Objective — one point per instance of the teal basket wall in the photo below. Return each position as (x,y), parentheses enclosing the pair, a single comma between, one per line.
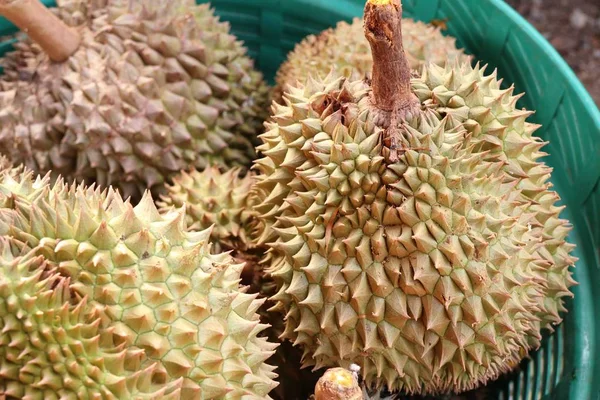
(568,364)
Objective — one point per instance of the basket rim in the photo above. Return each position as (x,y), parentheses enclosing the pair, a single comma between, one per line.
(566,70)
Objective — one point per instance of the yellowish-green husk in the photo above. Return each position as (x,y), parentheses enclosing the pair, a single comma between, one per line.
(52,344)
(217,199)
(434,273)
(154,285)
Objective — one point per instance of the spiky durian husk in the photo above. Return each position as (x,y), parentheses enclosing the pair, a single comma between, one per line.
(31,111)
(215,198)
(502,134)
(345,49)
(225,200)
(433,273)
(295,382)
(80,12)
(156,285)
(155,87)
(18,188)
(52,345)
(31,124)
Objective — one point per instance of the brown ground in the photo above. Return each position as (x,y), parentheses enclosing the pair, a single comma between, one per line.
(573,28)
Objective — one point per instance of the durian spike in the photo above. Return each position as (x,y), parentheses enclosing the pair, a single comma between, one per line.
(57,39)
(392,93)
(338,384)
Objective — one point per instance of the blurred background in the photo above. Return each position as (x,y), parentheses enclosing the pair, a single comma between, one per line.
(573,28)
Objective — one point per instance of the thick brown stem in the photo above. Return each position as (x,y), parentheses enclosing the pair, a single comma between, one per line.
(58,40)
(391,72)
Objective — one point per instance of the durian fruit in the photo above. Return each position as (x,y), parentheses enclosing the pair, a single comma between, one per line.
(31,113)
(413,230)
(31,128)
(52,347)
(215,198)
(345,48)
(154,284)
(154,87)
(224,201)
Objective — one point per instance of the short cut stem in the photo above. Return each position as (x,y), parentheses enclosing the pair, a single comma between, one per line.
(338,384)
(57,39)
(391,72)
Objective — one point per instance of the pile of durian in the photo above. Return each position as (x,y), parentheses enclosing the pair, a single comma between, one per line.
(377,224)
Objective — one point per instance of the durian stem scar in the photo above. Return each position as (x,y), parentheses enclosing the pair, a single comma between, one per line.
(57,39)
(338,384)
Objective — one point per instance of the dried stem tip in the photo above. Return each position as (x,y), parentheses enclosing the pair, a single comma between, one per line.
(338,384)
(391,71)
(57,39)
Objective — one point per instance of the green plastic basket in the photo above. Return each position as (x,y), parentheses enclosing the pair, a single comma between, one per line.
(569,360)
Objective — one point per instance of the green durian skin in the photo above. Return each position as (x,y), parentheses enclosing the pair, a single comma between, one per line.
(155,285)
(52,346)
(155,87)
(435,272)
(225,200)
(218,199)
